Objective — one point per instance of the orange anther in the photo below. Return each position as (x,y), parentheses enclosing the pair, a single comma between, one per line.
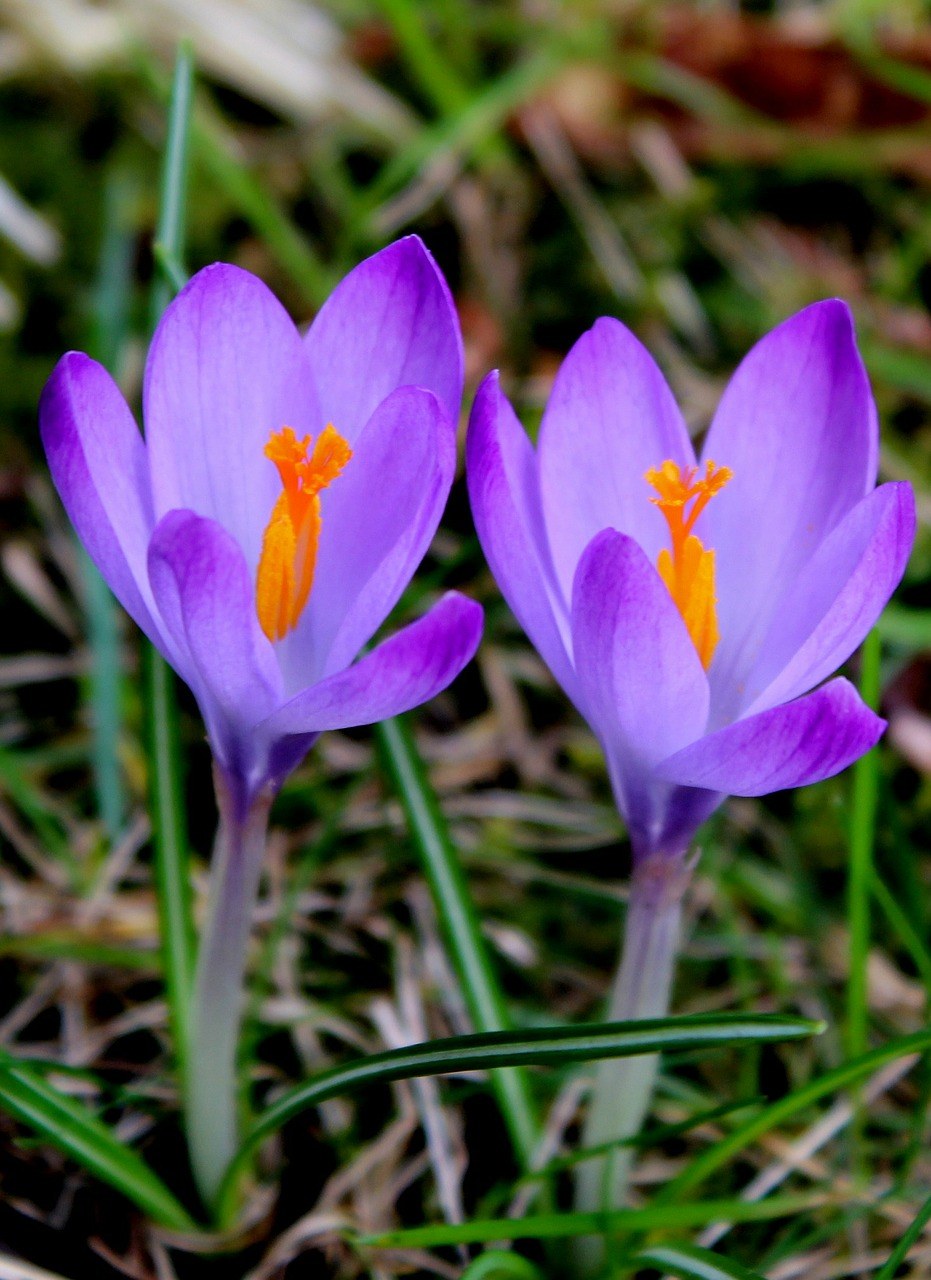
(289,546)
(688,567)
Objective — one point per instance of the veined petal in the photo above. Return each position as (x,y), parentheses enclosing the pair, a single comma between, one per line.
(797,426)
(639,671)
(501,469)
(378,520)
(205,595)
(404,671)
(789,746)
(226,368)
(98,463)
(837,598)
(390,323)
(610,418)
(643,686)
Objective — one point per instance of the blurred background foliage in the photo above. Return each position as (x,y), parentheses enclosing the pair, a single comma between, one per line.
(698,170)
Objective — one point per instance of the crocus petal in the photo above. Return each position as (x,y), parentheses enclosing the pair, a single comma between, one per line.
(226,368)
(797,426)
(610,418)
(839,595)
(640,674)
(403,672)
(501,469)
(390,323)
(788,746)
(378,519)
(204,592)
(98,462)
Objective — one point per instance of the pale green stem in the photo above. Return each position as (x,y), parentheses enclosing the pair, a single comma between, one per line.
(623,1087)
(212,1095)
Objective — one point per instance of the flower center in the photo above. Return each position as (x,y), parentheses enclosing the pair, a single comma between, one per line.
(688,568)
(289,546)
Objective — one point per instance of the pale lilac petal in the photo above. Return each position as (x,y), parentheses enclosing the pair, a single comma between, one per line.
(98,463)
(610,418)
(501,469)
(637,666)
(226,368)
(379,517)
(390,323)
(205,596)
(797,426)
(788,746)
(644,690)
(403,672)
(837,598)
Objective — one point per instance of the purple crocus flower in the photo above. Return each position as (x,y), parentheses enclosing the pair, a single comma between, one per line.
(181,524)
(286,490)
(692,612)
(803,550)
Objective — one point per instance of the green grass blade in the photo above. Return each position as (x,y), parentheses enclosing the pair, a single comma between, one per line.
(900,1252)
(109,325)
(68,1125)
(618,1222)
(458,920)
(169,230)
(848,1073)
(549,1047)
(498,1264)
(860,876)
(691,1263)
(255,202)
(176,919)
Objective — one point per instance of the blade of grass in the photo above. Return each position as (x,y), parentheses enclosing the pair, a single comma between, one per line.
(903,928)
(860,875)
(551,1047)
(900,1252)
(68,1125)
(617,1222)
(498,1264)
(439,80)
(72,946)
(458,920)
(254,201)
(848,1073)
(176,919)
(691,1263)
(109,328)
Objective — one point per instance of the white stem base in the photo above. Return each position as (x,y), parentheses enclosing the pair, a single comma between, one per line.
(211,1094)
(623,1087)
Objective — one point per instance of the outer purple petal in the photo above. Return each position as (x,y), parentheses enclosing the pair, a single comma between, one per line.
(643,686)
(98,462)
(404,671)
(205,596)
(788,746)
(226,368)
(390,323)
(640,674)
(379,517)
(501,469)
(838,596)
(610,418)
(797,426)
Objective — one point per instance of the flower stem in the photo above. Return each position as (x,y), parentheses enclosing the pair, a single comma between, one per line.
(623,1087)
(211,1093)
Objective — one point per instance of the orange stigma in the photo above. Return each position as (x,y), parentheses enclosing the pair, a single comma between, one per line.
(688,568)
(289,546)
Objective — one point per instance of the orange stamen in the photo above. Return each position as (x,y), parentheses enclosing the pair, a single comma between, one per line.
(289,546)
(688,567)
